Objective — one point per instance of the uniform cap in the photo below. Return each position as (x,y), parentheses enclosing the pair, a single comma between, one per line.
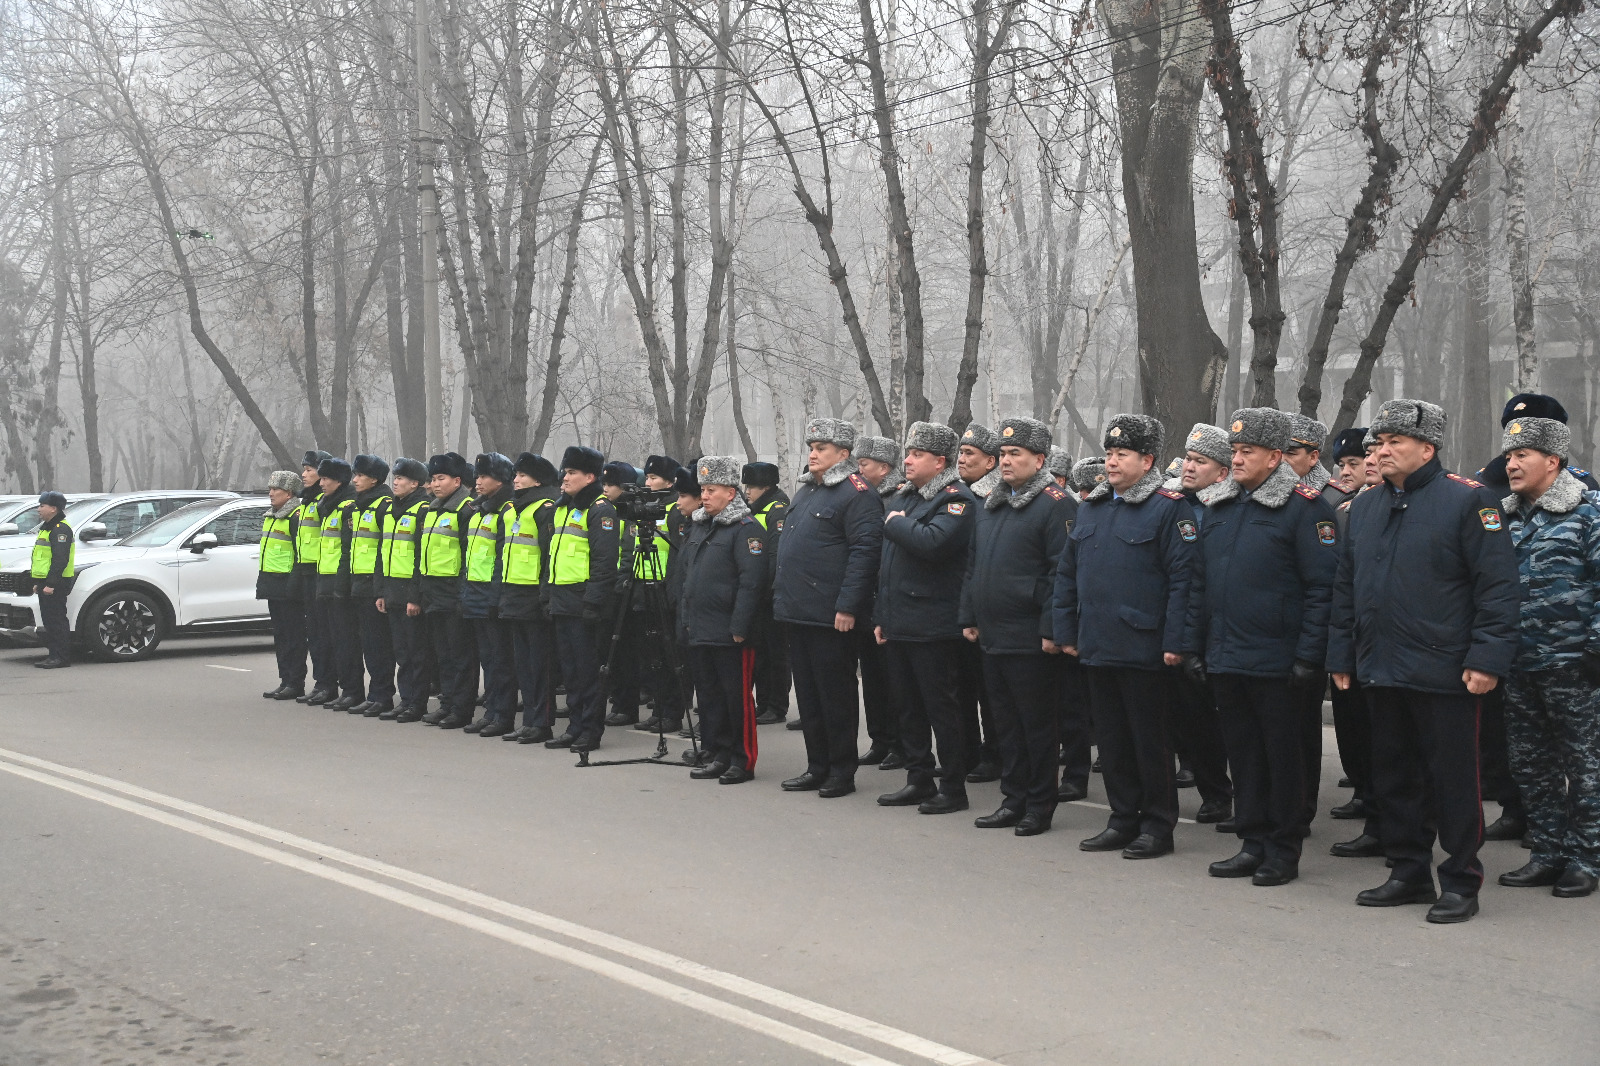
(314,459)
(537,467)
(1087,473)
(618,472)
(933,437)
(337,469)
(759,475)
(1306,432)
(450,464)
(1419,419)
(1060,463)
(1209,441)
(370,465)
(1029,433)
(584,460)
(1545,434)
(495,465)
(1139,433)
(880,448)
(1264,427)
(718,470)
(831,431)
(686,484)
(982,438)
(1349,444)
(52,498)
(664,466)
(286,480)
(410,468)
(1532,405)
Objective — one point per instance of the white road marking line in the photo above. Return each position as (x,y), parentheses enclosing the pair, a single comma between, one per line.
(856,1025)
(1103,807)
(235,669)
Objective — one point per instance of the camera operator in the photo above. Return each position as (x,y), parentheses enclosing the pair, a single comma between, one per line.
(768,505)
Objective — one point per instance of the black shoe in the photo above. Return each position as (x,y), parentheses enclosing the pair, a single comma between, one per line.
(1241,865)
(1574,884)
(1365,846)
(834,787)
(1506,827)
(565,740)
(1184,779)
(497,728)
(52,663)
(806,782)
(1071,793)
(942,803)
(986,770)
(1146,846)
(394,713)
(345,703)
(283,692)
(1275,873)
(536,735)
(414,713)
(771,717)
(714,769)
(1397,893)
(1106,840)
(1354,809)
(477,725)
(376,708)
(435,717)
(909,796)
(649,725)
(736,775)
(621,718)
(1227,825)
(457,721)
(1452,907)
(1002,818)
(874,755)
(1214,811)
(1533,875)
(894,761)
(318,696)
(1032,825)
(793,726)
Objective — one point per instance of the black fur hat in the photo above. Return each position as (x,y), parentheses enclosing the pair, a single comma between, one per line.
(686,483)
(584,460)
(537,467)
(618,472)
(1140,433)
(661,466)
(52,498)
(410,468)
(450,464)
(370,465)
(759,475)
(337,469)
(1532,405)
(1350,444)
(314,459)
(495,465)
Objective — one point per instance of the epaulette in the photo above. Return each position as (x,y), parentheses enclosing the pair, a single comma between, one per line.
(951,489)
(1054,492)
(1578,471)
(859,482)
(1345,506)
(1169,494)
(1467,481)
(1310,494)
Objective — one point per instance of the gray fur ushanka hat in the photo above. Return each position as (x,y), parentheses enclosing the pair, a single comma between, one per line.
(1545,434)
(1209,441)
(880,448)
(1264,427)
(719,470)
(933,437)
(982,438)
(1027,433)
(831,431)
(1140,433)
(1411,418)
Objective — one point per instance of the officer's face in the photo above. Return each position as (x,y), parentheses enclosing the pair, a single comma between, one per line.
(1369,466)
(874,471)
(1302,459)
(1252,463)
(824,457)
(611,492)
(443,486)
(1400,456)
(1018,465)
(715,497)
(1531,472)
(278,497)
(330,485)
(48,512)
(485,485)
(308,476)
(1200,471)
(688,502)
(1352,472)
(655,482)
(922,467)
(972,463)
(404,486)
(1124,467)
(363,482)
(575,481)
(519,480)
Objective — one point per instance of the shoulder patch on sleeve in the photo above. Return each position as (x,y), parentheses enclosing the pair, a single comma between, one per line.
(1310,494)
(956,508)
(859,482)
(1327,533)
(1187,529)
(1490,517)
(1054,492)
(1169,494)
(1467,481)
(62,536)
(754,545)
(608,523)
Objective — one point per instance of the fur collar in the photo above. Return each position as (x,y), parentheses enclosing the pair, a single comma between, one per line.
(948,476)
(1138,492)
(833,475)
(985,485)
(290,506)
(1022,497)
(891,482)
(1273,492)
(1173,484)
(1317,477)
(736,511)
(1565,493)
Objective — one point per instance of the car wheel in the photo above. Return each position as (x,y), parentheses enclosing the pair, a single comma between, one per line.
(122,626)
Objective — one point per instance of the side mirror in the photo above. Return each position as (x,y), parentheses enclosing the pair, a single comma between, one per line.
(202,541)
(8,529)
(93,531)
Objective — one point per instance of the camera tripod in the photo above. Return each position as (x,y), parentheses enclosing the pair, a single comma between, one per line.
(650,592)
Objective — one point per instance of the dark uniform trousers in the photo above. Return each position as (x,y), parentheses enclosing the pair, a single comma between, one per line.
(923,674)
(639,657)
(1265,740)
(1023,690)
(578,649)
(497,657)
(1425,772)
(1072,701)
(879,699)
(342,632)
(824,665)
(724,677)
(53,616)
(377,650)
(1130,721)
(1309,703)
(288,639)
(977,717)
(408,637)
(456,653)
(1352,730)
(324,671)
(1197,736)
(533,643)
(772,665)
(1494,755)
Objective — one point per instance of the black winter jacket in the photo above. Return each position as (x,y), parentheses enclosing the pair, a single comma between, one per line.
(1427,585)
(1015,544)
(828,555)
(724,576)
(924,560)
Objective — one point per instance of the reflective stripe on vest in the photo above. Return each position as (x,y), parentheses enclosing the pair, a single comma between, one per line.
(483,545)
(41,552)
(277,545)
(400,531)
(441,542)
(569,547)
(523,556)
(364,542)
(310,529)
(330,545)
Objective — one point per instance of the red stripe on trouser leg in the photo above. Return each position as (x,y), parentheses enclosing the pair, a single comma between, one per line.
(747,700)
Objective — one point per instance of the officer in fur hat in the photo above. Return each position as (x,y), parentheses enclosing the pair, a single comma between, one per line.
(533,639)
(977,462)
(52,570)
(367,477)
(768,506)
(340,626)
(1121,604)
(308,534)
(879,459)
(926,536)
(1020,531)
(639,661)
(276,584)
(442,560)
(1086,474)
(1261,597)
(725,575)
(489,519)
(1425,610)
(396,588)
(580,541)
(827,569)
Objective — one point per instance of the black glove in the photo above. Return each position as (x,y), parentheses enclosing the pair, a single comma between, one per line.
(1194,668)
(1304,675)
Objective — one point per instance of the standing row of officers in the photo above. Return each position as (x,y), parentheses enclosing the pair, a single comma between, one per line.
(994,603)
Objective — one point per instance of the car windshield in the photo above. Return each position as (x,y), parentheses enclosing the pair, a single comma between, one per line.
(165,530)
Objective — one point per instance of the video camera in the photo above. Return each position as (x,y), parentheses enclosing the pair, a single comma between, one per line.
(637,504)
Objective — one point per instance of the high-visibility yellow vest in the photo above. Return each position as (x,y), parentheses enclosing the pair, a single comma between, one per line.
(569,547)
(524,558)
(483,543)
(765,514)
(643,567)
(310,530)
(441,541)
(368,536)
(330,544)
(277,545)
(41,552)
(400,531)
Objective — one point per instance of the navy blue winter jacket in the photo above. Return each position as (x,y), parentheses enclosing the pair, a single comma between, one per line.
(925,559)
(828,554)
(1018,538)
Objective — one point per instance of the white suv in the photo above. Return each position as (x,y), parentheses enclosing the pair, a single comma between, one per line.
(190,572)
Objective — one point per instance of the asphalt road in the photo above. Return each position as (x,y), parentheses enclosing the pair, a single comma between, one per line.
(192,874)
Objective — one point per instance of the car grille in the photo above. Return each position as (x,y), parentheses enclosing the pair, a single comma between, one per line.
(15,617)
(13,582)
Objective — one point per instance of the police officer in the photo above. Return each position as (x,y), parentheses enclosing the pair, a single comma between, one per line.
(878,458)
(827,571)
(926,537)
(308,534)
(1268,557)
(977,461)
(53,569)
(640,660)
(1086,474)
(377,645)
(768,506)
(1005,610)
(397,589)
(1121,603)
(725,574)
(532,637)
(489,524)
(1552,696)
(275,583)
(580,547)
(1350,728)
(339,626)
(441,561)
(1425,610)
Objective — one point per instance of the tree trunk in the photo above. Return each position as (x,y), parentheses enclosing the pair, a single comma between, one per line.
(558,325)
(1516,191)
(1477,415)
